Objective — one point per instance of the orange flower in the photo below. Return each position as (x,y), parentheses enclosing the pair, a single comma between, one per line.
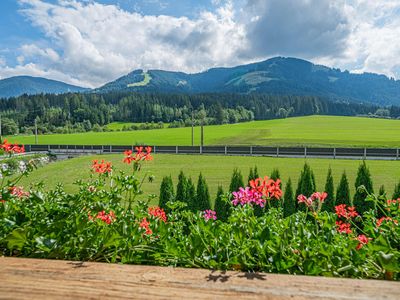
(102,167)
(139,155)
(146,225)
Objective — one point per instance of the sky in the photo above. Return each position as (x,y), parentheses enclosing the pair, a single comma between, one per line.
(91,42)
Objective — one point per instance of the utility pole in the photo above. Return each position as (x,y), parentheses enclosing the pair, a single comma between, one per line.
(192,129)
(36,135)
(202,133)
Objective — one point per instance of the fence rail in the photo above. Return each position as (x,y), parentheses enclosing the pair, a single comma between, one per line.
(334,152)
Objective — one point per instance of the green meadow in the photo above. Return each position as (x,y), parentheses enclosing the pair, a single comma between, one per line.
(217,170)
(299,131)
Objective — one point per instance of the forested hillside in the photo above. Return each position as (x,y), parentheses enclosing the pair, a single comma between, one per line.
(278,76)
(76,112)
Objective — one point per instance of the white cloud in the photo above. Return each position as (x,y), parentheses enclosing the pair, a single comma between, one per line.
(90,43)
(95,43)
(373,43)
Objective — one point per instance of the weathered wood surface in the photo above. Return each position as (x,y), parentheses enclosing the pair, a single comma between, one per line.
(49,279)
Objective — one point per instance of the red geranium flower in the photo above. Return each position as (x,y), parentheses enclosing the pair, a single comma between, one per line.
(363,240)
(146,225)
(158,213)
(101,167)
(12,148)
(343,227)
(139,155)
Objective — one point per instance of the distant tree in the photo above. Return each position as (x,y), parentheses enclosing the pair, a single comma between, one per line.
(306,184)
(251,175)
(181,189)
(343,191)
(289,202)
(203,196)
(275,175)
(329,203)
(236,181)
(363,179)
(255,172)
(382,191)
(191,195)
(9,126)
(396,193)
(166,192)
(221,206)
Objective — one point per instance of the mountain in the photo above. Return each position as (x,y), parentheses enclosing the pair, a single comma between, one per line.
(18,85)
(279,75)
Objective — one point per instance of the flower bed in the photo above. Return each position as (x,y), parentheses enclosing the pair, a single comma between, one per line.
(109,220)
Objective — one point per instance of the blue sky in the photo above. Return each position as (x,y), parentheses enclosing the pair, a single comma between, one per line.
(90,42)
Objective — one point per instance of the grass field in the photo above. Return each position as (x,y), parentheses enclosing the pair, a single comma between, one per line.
(120,125)
(300,131)
(217,170)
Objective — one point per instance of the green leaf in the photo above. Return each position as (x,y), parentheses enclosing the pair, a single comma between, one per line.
(388,261)
(16,239)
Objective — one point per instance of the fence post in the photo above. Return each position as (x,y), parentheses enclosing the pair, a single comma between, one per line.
(305,152)
(201,149)
(397,154)
(226,150)
(277,151)
(334,153)
(251,150)
(154,149)
(102,148)
(176,150)
(365,153)
(110,149)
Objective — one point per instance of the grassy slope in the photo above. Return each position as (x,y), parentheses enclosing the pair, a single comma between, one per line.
(144,82)
(218,170)
(311,131)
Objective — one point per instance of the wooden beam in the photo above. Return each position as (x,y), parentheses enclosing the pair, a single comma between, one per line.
(22,278)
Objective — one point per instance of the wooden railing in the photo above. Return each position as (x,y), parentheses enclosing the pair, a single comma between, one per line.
(51,279)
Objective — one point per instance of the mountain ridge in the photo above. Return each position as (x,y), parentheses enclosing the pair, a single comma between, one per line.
(19,85)
(278,75)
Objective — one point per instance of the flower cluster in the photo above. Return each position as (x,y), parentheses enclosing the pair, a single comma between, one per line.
(345,212)
(269,188)
(343,227)
(18,192)
(146,226)
(314,202)
(101,167)
(103,216)
(258,193)
(209,214)
(138,156)
(247,196)
(385,219)
(155,212)
(362,240)
(393,204)
(12,148)
(158,213)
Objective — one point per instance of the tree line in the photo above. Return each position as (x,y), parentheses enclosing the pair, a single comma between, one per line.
(198,199)
(80,112)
